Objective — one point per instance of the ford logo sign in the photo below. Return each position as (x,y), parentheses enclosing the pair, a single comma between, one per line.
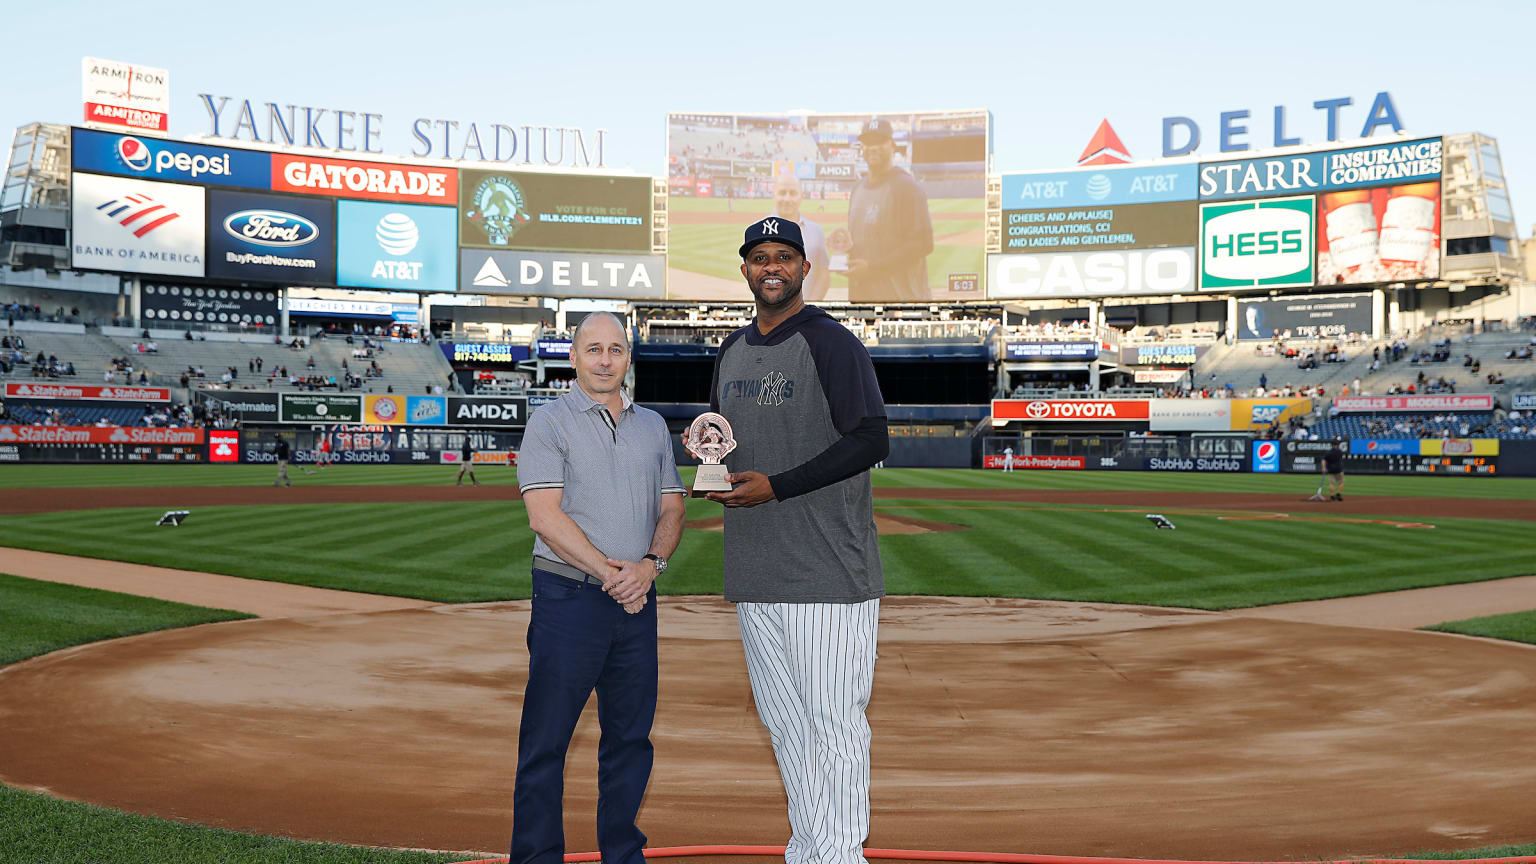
(270,228)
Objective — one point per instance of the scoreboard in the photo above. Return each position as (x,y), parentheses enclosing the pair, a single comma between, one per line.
(1446,457)
(103,453)
(1412,463)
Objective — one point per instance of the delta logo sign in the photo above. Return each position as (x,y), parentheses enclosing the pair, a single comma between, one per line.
(1182,135)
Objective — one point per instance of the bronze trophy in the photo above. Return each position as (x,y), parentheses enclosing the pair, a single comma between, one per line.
(709,440)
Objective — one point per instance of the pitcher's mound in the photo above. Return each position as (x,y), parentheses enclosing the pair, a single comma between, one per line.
(884,523)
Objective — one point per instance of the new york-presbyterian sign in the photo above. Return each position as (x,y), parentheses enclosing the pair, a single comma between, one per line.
(360,131)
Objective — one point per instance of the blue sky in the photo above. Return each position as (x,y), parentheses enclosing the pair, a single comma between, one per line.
(1048,72)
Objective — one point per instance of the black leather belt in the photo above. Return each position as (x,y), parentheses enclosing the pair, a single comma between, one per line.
(560,568)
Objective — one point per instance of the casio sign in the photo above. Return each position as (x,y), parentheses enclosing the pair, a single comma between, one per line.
(270,228)
(488,411)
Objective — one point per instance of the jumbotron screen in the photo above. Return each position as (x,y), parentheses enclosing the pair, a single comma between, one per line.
(891,205)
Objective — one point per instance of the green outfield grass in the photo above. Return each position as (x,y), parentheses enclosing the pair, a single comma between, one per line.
(37,617)
(1301,485)
(475,551)
(1515,626)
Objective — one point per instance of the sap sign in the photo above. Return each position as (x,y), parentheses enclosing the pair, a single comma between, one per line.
(1117,273)
(1233,125)
(404,246)
(160,159)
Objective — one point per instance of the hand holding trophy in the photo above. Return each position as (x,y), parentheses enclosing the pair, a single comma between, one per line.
(709,440)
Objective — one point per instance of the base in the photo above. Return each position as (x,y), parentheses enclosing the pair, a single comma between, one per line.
(710,478)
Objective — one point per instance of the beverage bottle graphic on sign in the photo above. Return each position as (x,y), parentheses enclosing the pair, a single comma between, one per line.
(1352,238)
(1408,230)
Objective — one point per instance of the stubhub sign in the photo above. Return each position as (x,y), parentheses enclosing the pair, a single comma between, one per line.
(162,159)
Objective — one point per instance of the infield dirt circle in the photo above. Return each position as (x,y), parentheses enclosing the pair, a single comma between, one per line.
(999,725)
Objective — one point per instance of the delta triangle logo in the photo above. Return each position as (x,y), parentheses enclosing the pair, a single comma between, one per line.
(490,276)
(1105,148)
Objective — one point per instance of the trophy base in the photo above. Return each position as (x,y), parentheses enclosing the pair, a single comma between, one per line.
(837,263)
(710,478)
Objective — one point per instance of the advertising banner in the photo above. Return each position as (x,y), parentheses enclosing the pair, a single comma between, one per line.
(320,408)
(485,352)
(99,435)
(163,159)
(1256,414)
(1051,350)
(1415,403)
(1160,376)
(1099,186)
(1121,273)
(377,181)
(230,306)
(1129,226)
(554,212)
(249,407)
(1304,317)
(396,246)
(271,238)
(126,95)
(405,410)
(23,390)
(223,445)
(1459,447)
(1352,168)
(1205,464)
(1379,235)
(1047,410)
(340,308)
(487,411)
(1162,354)
(1190,415)
(563,274)
(1384,446)
(1037,463)
(1523,401)
(1257,244)
(913,187)
(136,227)
(554,347)
(1266,457)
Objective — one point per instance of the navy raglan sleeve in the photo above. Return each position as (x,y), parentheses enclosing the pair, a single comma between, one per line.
(714,383)
(847,378)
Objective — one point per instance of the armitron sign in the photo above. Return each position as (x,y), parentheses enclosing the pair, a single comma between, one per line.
(1045,410)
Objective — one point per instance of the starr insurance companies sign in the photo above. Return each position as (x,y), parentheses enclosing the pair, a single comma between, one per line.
(125,96)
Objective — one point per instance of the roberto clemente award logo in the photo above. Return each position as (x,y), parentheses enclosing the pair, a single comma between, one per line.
(498,209)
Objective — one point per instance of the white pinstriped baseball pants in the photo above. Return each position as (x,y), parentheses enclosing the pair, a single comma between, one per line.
(812,666)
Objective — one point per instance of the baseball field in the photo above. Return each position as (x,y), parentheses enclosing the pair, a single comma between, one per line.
(1057,675)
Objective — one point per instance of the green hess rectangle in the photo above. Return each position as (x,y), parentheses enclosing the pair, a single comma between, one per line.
(1271,243)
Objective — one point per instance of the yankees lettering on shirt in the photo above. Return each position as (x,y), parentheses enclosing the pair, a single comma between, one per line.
(771,389)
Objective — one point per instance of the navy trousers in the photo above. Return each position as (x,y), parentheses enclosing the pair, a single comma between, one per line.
(580,639)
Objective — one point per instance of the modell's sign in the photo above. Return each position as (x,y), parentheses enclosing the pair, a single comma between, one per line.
(107,394)
(95,435)
(1034,410)
(379,181)
(1414,403)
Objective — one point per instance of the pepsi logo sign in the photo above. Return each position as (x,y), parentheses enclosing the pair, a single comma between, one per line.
(270,228)
(1266,456)
(133,152)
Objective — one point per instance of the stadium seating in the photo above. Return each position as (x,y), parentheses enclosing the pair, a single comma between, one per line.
(1243,367)
(1423,425)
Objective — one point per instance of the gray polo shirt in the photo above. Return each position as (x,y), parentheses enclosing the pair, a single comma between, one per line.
(612,475)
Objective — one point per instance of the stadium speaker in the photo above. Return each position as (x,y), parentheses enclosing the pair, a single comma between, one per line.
(174,518)
(1159,521)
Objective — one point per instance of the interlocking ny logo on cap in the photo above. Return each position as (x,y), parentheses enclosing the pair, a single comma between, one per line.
(770,226)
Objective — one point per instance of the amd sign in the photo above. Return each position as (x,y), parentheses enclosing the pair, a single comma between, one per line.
(487,411)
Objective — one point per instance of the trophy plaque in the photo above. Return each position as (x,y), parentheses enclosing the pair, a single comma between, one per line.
(709,440)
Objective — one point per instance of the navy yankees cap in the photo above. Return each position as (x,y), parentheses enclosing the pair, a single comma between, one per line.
(876,128)
(774,229)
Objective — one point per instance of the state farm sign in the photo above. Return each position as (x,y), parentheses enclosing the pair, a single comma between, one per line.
(1043,410)
(98,435)
(68,391)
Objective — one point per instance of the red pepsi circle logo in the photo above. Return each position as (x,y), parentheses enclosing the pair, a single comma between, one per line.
(134,153)
(1267,451)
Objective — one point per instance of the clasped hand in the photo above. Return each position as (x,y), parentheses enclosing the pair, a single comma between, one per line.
(628,582)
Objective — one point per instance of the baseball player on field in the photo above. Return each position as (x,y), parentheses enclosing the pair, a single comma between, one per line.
(802,560)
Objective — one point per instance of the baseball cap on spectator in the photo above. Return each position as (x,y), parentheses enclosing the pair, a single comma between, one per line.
(773,229)
(876,129)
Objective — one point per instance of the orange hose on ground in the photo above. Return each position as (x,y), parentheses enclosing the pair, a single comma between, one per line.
(986,857)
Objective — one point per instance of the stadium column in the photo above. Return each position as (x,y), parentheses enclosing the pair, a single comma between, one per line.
(1394,313)
(135,297)
(1378,312)
(282,321)
(1231,319)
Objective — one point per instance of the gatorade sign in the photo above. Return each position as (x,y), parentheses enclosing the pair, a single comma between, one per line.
(1258,244)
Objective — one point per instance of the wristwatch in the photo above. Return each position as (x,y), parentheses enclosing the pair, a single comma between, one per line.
(661,563)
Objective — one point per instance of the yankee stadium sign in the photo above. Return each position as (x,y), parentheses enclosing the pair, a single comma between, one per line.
(242,119)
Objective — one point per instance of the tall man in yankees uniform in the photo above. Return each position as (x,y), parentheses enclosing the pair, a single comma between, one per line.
(892,231)
(802,562)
